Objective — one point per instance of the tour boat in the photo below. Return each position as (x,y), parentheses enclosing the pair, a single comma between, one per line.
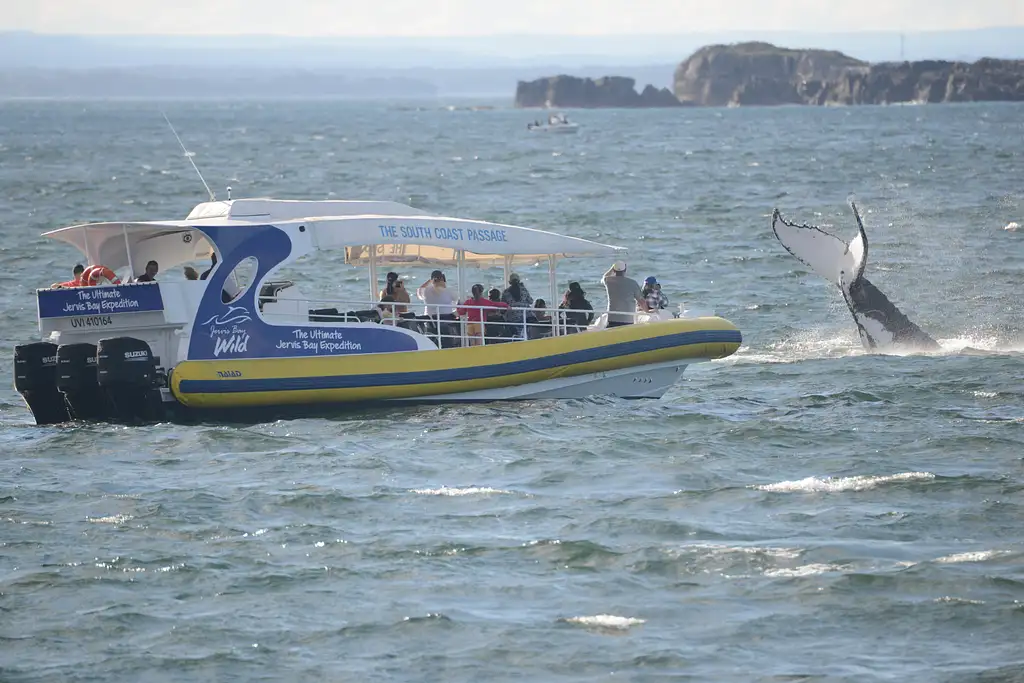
(241,342)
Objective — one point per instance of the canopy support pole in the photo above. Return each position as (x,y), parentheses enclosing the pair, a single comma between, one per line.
(460,272)
(460,279)
(553,283)
(128,252)
(373,272)
(88,254)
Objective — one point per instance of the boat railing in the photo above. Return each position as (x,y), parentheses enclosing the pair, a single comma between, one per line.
(468,325)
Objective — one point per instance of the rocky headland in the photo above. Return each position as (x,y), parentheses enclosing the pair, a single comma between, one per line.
(584,93)
(761,74)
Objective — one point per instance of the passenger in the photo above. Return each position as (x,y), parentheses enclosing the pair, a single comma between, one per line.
(495,296)
(150,275)
(387,310)
(517,297)
(653,295)
(191,273)
(213,264)
(576,304)
(76,281)
(538,320)
(475,317)
(540,314)
(398,293)
(440,301)
(623,292)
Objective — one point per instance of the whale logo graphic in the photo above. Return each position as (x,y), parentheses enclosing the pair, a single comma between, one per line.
(233,316)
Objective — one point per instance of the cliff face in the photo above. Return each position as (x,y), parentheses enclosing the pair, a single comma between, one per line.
(572,92)
(756,73)
(930,82)
(762,74)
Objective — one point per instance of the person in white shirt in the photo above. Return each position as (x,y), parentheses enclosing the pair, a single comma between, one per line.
(440,301)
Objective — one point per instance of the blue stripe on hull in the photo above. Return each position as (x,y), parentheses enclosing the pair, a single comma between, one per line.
(235,386)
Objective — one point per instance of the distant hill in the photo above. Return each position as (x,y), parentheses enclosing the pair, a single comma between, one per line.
(489,66)
(156,82)
(24,49)
(218,81)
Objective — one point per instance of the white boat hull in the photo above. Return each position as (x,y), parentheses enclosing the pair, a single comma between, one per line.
(649,381)
(571,128)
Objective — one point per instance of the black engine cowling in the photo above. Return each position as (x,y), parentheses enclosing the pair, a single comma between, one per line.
(35,378)
(76,379)
(127,376)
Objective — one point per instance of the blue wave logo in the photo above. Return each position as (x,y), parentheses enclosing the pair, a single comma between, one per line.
(233,316)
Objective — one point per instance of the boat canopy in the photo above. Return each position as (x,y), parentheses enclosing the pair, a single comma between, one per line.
(402,236)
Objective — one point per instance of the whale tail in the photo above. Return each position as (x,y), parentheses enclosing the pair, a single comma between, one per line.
(881,325)
(827,255)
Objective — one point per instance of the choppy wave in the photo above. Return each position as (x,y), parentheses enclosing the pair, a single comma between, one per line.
(698,537)
(842,484)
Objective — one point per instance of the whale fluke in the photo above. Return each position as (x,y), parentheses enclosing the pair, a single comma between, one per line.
(882,326)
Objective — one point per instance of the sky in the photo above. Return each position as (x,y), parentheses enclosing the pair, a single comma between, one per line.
(440,18)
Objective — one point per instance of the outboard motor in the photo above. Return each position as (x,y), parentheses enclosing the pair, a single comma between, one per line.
(127,376)
(35,378)
(76,379)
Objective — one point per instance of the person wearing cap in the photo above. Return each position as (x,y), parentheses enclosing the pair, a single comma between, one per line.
(656,300)
(440,301)
(518,299)
(624,295)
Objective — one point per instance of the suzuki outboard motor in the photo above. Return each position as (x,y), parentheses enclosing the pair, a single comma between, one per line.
(35,378)
(127,375)
(76,379)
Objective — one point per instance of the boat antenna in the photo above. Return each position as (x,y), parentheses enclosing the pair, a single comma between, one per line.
(189,156)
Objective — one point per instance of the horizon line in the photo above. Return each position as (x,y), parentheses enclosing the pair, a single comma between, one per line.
(392,36)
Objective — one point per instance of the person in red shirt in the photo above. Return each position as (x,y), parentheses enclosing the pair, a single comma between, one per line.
(475,317)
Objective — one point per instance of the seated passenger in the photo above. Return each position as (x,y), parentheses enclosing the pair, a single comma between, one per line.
(387,307)
(191,273)
(538,321)
(150,275)
(213,264)
(579,313)
(518,298)
(653,295)
(495,297)
(75,281)
(397,291)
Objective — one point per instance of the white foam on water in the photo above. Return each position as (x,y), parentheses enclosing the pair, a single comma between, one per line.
(807,345)
(841,484)
(958,601)
(720,550)
(467,491)
(976,556)
(112,519)
(804,570)
(609,621)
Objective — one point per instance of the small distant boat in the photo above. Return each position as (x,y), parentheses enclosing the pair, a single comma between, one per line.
(557,123)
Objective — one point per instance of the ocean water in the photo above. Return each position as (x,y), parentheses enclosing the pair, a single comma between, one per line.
(799,511)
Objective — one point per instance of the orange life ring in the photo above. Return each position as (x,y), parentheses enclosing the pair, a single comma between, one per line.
(91,276)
